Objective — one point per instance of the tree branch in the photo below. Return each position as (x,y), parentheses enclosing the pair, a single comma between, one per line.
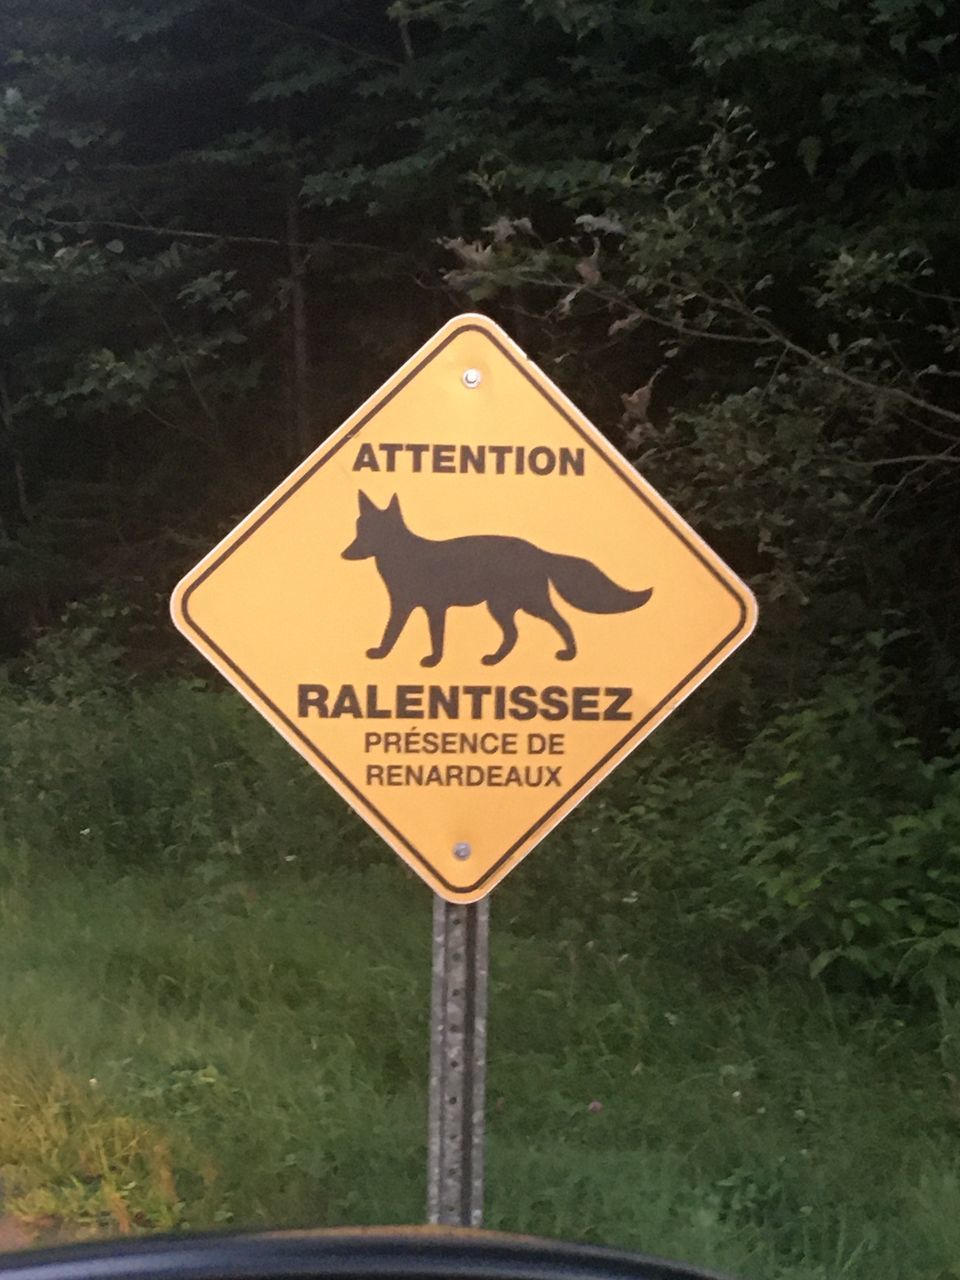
(674,326)
(334,41)
(835,370)
(948,455)
(112,224)
(181,357)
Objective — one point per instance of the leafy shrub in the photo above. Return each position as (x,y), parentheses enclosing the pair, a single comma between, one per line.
(831,837)
(95,766)
(828,838)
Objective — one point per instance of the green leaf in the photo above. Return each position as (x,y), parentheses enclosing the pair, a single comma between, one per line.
(810,149)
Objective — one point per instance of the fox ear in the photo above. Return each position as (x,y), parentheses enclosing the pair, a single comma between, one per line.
(394,505)
(366,506)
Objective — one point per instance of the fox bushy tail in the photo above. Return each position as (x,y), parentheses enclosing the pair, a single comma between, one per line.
(585,587)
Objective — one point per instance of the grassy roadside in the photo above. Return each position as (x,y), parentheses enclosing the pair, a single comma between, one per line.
(178,1053)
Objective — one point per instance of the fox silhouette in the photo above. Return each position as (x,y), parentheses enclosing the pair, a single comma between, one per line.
(507,574)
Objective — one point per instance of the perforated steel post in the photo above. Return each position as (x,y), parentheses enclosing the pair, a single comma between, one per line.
(458,1049)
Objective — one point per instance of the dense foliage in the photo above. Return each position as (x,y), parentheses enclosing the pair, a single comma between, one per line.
(824,844)
(728,231)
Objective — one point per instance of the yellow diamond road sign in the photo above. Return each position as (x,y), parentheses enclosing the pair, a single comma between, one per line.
(464,609)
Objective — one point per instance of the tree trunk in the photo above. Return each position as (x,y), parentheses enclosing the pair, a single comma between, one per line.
(302,437)
(6,417)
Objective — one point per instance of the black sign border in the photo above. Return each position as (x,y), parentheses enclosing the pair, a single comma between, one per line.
(311,747)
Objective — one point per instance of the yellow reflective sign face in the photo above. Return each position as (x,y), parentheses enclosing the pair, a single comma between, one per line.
(464,609)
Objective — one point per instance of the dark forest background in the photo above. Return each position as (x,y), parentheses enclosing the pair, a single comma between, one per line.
(729,232)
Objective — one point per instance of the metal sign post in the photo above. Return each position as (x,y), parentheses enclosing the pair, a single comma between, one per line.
(458,1061)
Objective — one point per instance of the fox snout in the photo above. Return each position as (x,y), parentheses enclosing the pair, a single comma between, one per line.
(356,550)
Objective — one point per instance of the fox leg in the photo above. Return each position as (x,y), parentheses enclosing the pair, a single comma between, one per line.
(544,609)
(503,615)
(437,619)
(399,613)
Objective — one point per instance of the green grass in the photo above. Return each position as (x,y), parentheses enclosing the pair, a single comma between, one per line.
(186,1050)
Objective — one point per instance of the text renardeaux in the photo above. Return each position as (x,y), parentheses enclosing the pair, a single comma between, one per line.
(468,702)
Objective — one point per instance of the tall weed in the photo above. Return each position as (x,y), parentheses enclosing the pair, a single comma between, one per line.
(95,766)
